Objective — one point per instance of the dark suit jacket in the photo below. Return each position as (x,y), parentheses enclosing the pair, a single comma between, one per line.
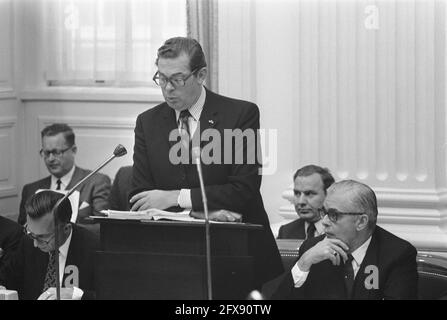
(233,187)
(94,191)
(25,271)
(10,235)
(292,230)
(395,259)
(121,187)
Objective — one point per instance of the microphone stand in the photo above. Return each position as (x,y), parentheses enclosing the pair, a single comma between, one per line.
(119,151)
(207,226)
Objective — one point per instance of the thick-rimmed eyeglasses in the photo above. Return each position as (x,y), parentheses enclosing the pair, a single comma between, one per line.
(56,153)
(333,214)
(175,81)
(46,238)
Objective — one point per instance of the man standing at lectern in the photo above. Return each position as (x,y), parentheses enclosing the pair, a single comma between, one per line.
(190,108)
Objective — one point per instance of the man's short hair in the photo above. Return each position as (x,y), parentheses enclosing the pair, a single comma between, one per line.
(309,170)
(361,196)
(57,128)
(43,202)
(174,47)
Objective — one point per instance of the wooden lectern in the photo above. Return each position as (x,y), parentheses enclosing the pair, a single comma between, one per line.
(166,260)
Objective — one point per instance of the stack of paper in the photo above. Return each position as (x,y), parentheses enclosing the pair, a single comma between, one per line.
(150,214)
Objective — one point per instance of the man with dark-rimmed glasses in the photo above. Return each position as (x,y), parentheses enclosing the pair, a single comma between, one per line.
(58,153)
(355,258)
(190,109)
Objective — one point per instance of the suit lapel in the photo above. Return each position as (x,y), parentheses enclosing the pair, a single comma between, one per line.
(209,117)
(360,291)
(301,230)
(77,176)
(168,124)
(72,254)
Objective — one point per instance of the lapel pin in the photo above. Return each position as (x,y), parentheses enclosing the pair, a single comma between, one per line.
(211,122)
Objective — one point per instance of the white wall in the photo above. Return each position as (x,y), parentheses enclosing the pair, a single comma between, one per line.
(354,87)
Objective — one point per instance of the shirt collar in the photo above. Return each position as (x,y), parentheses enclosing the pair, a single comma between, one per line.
(318,227)
(196,108)
(359,253)
(63,249)
(65,179)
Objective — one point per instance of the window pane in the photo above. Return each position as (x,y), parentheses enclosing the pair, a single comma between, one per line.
(108,40)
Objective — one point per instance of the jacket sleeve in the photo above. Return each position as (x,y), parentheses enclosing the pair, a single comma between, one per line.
(141,174)
(22,214)
(244,178)
(402,281)
(12,270)
(100,193)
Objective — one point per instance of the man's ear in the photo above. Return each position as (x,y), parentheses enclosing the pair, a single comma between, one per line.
(362,222)
(201,75)
(74,148)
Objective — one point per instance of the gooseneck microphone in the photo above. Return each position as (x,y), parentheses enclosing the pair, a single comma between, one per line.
(119,151)
(196,156)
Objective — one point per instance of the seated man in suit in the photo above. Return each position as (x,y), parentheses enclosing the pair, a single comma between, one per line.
(58,152)
(10,235)
(310,186)
(355,259)
(121,187)
(31,270)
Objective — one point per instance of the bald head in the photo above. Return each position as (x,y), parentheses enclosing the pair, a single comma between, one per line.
(353,196)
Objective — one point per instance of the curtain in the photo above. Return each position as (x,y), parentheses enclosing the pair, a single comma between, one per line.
(107,41)
(202,24)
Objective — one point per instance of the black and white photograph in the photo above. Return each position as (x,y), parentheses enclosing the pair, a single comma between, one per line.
(221,157)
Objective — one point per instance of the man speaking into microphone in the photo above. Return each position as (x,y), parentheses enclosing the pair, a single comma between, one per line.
(160,181)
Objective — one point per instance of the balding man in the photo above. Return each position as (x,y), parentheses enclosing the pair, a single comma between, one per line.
(355,259)
(310,185)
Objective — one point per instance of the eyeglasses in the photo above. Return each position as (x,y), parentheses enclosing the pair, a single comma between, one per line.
(56,153)
(333,214)
(175,81)
(44,238)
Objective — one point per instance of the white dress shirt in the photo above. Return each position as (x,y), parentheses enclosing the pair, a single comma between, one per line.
(65,180)
(63,253)
(184,198)
(299,277)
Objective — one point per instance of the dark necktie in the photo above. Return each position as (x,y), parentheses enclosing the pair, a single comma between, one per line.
(349,276)
(184,131)
(183,120)
(310,230)
(58,182)
(50,276)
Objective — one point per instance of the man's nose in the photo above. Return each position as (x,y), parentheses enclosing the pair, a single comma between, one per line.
(326,222)
(51,157)
(301,200)
(169,86)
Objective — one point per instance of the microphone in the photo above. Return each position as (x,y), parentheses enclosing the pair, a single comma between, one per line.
(196,156)
(119,151)
(255,295)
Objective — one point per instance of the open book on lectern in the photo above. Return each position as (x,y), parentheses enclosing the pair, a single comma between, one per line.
(149,214)
(153,214)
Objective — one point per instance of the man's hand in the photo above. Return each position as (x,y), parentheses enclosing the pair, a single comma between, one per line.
(219,215)
(332,249)
(50,294)
(158,199)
